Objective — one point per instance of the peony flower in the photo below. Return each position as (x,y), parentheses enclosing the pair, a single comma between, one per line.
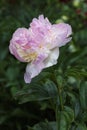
(39,45)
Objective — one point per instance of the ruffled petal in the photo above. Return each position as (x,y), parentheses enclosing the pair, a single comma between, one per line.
(63,28)
(32,70)
(58,35)
(64,41)
(52,58)
(19,43)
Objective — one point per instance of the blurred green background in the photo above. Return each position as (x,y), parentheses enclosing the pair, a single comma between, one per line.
(21,109)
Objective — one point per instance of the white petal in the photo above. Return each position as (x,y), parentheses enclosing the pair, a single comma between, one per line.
(52,58)
(32,70)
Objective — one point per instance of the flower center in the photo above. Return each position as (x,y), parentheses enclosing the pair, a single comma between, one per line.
(26,55)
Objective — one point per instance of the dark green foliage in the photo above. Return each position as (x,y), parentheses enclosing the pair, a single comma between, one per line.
(57,98)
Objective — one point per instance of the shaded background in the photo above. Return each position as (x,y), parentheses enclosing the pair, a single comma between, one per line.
(19,13)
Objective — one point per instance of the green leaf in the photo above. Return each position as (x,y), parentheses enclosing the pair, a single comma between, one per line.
(81,127)
(45,126)
(62,123)
(37,92)
(83,95)
(76,72)
(65,118)
(75,103)
(70,114)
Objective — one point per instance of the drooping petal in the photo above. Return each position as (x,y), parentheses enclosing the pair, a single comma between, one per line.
(63,28)
(27,77)
(32,70)
(52,58)
(58,35)
(64,31)
(65,41)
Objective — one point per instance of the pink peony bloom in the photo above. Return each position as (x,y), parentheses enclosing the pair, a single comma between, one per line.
(39,45)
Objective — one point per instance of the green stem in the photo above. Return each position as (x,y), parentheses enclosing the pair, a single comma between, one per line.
(60,98)
(59,88)
(61,105)
(57,116)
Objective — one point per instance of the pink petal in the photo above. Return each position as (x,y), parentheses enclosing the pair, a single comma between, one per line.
(62,32)
(63,28)
(32,70)
(20,38)
(64,41)
(13,51)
